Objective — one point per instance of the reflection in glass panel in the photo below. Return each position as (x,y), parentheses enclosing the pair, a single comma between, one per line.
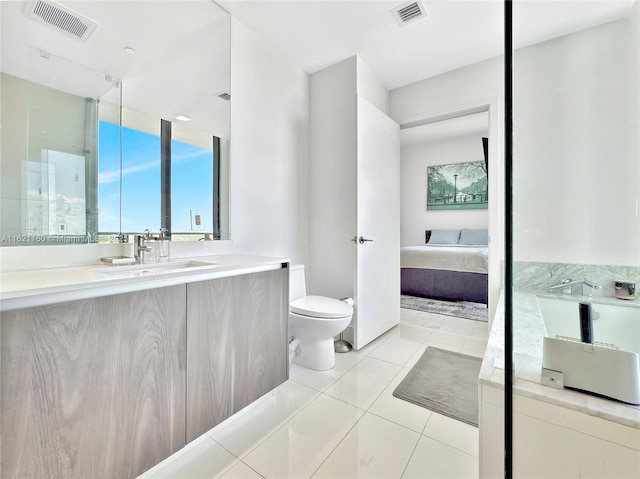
(140,180)
(191,187)
(49,152)
(109,178)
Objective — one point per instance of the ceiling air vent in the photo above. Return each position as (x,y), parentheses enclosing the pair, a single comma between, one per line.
(61,18)
(409,12)
(225,96)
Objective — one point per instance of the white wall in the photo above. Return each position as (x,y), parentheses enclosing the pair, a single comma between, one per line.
(269,176)
(577,147)
(480,84)
(333,153)
(415,159)
(370,88)
(332,267)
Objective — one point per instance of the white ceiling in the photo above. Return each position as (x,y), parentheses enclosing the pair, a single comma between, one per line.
(182,58)
(175,69)
(455,33)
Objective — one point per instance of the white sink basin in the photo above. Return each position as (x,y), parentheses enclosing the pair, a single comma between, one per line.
(156,269)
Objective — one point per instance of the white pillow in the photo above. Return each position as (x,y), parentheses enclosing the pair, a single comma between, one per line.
(480,237)
(444,237)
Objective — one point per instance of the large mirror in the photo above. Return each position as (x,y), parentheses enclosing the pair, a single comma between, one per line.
(114,121)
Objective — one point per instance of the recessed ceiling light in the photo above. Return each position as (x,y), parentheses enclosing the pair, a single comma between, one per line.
(129,50)
(182,118)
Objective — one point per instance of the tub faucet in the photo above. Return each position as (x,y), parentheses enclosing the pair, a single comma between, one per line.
(140,247)
(578,287)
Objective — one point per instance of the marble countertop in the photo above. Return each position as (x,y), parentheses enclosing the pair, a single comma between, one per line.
(528,331)
(23,289)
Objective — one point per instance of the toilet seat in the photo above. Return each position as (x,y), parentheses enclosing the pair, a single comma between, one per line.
(321,307)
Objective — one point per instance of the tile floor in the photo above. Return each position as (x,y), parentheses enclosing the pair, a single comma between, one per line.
(345,422)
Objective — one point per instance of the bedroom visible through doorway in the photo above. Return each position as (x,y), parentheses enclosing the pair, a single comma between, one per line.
(445,207)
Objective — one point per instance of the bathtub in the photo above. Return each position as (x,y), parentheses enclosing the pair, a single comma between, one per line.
(610,367)
(617,324)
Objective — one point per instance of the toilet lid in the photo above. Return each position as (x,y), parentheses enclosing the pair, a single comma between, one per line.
(321,307)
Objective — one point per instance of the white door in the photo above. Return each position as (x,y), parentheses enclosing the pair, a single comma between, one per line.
(378,225)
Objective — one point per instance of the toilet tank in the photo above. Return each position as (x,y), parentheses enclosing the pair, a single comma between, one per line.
(297,285)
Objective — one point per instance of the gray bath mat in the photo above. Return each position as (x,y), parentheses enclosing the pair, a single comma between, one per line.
(474,311)
(445,382)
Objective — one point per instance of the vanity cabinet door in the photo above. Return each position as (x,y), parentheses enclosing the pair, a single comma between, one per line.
(236,344)
(93,388)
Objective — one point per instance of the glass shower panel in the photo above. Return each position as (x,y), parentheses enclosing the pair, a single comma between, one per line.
(576,233)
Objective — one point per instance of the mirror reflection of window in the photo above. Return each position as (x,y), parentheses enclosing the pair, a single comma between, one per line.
(140,181)
(109,178)
(132,194)
(192,188)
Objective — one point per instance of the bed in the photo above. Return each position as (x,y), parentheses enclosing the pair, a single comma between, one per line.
(449,266)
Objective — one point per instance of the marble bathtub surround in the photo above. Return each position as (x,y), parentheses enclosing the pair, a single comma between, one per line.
(528,331)
(536,277)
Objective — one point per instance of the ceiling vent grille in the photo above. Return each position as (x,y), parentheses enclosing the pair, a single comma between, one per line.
(409,12)
(62,18)
(225,96)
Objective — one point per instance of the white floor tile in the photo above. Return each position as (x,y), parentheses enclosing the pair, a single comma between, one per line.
(300,446)
(454,433)
(207,460)
(377,342)
(434,460)
(426,320)
(417,355)
(474,347)
(247,431)
(364,382)
(445,337)
(374,448)
(321,380)
(241,471)
(415,332)
(407,313)
(397,349)
(397,410)
(428,343)
(481,331)
(459,326)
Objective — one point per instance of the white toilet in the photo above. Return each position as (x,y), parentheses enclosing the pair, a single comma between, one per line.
(315,320)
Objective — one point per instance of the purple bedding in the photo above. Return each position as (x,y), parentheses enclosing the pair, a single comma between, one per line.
(445,285)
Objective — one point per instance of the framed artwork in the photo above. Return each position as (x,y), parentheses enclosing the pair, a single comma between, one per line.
(458,186)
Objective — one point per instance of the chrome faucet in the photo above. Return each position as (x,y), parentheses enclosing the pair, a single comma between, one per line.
(140,247)
(567,286)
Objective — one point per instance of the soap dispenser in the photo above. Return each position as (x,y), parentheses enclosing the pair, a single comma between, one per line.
(163,245)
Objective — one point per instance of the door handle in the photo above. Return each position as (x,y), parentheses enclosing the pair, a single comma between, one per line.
(363,240)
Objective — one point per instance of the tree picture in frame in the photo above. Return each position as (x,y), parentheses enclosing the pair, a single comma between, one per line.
(457,186)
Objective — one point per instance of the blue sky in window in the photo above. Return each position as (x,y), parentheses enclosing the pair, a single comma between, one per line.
(109,177)
(191,186)
(191,182)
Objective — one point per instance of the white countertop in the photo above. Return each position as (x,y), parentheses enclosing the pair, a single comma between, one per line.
(23,289)
(528,331)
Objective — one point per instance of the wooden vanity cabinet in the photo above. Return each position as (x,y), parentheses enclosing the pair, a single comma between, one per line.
(236,344)
(108,387)
(93,388)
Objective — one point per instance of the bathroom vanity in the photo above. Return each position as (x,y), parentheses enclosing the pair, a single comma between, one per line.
(105,375)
